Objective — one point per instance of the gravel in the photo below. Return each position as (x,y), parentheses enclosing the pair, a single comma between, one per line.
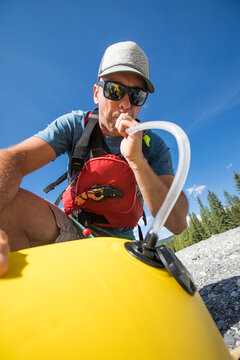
(215,268)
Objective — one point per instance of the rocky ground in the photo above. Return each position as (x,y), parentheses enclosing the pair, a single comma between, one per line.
(215,267)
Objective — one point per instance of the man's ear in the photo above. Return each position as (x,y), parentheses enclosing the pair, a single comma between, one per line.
(95,94)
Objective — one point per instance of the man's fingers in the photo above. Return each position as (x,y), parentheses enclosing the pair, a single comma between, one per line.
(3,236)
(124,121)
(121,126)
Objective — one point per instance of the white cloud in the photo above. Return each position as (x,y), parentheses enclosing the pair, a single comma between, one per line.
(196,190)
(228,166)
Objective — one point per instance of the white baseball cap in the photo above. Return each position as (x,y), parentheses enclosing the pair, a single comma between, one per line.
(126,56)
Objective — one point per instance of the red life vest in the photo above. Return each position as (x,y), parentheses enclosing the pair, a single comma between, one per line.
(103,188)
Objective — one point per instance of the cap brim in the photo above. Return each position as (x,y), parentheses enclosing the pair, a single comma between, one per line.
(123,68)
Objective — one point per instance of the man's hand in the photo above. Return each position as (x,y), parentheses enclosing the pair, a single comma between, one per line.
(154,188)
(4,253)
(131,145)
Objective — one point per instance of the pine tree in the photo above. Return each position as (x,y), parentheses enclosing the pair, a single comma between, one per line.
(236,177)
(206,219)
(211,225)
(229,199)
(177,242)
(171,246)
(232,210)
(182,240)
(236,209)
(196,230)
(218,214)
(186,240)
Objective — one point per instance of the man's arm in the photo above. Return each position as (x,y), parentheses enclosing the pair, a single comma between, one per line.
(18,161)
(154,188)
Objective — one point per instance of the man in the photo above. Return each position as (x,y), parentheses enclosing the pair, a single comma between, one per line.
(28,220)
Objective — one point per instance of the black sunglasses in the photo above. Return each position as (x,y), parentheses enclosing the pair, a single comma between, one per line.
(115,91)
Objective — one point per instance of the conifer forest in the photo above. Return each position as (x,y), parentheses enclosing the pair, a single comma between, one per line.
(214,219)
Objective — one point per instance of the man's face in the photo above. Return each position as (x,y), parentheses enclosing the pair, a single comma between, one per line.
(110,110)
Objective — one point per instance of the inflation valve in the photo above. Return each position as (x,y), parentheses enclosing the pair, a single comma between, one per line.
(161,257)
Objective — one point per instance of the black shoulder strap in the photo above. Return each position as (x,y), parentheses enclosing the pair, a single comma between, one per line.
(96,142)
(80,150)
(81,147)
(55,183)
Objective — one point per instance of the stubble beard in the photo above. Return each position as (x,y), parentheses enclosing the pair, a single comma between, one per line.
(109,128)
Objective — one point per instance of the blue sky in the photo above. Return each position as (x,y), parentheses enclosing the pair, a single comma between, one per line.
(50,52)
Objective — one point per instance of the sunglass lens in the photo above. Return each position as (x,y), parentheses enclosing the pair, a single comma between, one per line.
(138,97)
(114,91)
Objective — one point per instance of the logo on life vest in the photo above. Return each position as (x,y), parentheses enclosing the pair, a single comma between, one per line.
(98,193)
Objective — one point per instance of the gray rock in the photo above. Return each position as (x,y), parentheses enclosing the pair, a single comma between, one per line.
(214,264)
(229,340)
(220,324)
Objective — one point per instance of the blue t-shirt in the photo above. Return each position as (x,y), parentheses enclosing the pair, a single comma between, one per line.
(63,134)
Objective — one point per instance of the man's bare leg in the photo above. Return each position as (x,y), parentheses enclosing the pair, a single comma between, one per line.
(28,221)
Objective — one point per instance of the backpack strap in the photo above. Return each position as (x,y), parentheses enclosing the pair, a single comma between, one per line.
(80,151)
(96,142)
(55,183)
(88,218)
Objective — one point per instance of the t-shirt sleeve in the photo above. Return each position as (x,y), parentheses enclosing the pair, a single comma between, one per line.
(158,155)
(60,133)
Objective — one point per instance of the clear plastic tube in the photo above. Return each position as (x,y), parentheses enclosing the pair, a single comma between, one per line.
(184,155)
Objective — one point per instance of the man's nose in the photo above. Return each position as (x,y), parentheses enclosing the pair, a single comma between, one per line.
(124,103)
